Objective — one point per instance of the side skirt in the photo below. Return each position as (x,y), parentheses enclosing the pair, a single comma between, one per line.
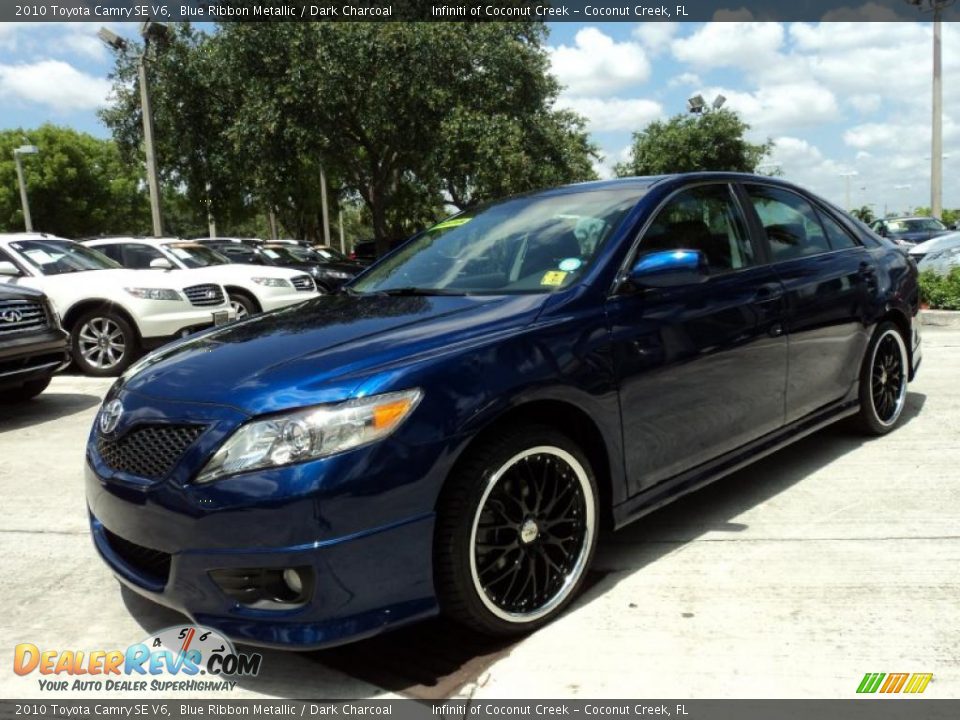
(692,480)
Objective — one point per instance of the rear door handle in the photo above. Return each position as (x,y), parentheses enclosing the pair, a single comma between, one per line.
(767,293)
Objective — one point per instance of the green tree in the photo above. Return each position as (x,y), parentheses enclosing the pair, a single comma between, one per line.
(78,185)
(192,115)
(948,217)
(407,117)
(713,140)
(864,214)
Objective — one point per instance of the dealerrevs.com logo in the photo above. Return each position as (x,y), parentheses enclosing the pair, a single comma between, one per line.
(188,658)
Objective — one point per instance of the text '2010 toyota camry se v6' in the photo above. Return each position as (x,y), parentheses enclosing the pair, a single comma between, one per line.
(450,432)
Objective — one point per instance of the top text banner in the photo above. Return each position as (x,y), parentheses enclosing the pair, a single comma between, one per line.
(477,11)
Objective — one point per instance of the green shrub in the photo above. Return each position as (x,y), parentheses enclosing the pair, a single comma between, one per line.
(941,292)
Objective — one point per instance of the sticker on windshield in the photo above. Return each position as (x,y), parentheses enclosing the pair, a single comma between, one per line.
(455,222)
(40,257)
(553,278)
(570,264)
(181,253)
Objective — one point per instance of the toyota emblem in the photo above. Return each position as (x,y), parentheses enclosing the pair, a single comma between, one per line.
(110,416)
(12,316)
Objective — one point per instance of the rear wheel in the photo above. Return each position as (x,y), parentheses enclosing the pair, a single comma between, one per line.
(516,531)
(883,381)
(25,392)
(104,343)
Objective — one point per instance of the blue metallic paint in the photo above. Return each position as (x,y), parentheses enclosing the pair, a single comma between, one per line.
(364,519)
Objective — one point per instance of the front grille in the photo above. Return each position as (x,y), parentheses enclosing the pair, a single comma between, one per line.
(148,451)
(303,283)
(204,294)
(155,564)
(17,316)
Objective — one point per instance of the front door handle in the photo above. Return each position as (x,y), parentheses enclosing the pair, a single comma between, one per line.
(768,293)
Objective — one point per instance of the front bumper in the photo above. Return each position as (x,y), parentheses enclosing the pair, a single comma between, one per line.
(271,298)
(160,320)
(361,521)
(33,357)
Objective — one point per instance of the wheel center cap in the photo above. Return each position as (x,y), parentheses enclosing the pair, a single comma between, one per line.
(529,531)
(883,378)
(102,341)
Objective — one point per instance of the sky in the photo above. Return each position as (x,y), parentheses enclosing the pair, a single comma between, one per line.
(836,98)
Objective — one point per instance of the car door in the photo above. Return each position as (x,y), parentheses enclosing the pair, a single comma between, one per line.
(701,367)
(828,279)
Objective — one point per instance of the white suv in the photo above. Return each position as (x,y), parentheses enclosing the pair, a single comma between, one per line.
(251,288)
(112,314)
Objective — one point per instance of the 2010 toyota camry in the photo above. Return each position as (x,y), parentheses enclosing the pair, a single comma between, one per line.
(450,432)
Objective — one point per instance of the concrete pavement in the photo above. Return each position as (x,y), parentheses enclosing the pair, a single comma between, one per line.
(792,578)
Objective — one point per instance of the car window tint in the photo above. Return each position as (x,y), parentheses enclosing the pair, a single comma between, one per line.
(111,251)
(139,256)
(837,234)
(792,226)
(703,218)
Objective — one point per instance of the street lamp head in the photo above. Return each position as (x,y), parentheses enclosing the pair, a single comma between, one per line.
(112,39)
(154,30)
(719,101)
(26,150)
(696,104)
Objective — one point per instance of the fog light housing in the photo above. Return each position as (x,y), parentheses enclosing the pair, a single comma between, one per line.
(266,588)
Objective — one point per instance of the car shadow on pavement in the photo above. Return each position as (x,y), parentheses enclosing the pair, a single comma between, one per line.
(435,659)
(48,406)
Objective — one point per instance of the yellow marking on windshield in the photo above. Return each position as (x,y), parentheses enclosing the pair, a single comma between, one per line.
(553,277)
(455,222)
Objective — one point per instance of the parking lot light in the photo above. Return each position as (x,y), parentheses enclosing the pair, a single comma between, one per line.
(22,182)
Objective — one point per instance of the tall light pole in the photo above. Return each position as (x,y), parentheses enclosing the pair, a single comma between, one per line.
(936,148)
(148,31)
(848,175)
(22,182)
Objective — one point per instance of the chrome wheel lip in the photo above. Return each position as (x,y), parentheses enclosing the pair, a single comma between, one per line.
(901,398)
(101,343)
(579,565)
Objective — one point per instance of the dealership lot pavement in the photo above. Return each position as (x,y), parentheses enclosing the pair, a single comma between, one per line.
(793,578)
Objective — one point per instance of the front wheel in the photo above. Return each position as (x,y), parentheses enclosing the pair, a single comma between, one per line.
(516,531)
(104,343)
(243,305)
(883,381)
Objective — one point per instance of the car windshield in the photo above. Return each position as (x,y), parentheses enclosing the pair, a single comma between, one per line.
(329,254)
(58,257)
(280,254)
(196,256)
(522,245)
(305,254)
(916,225)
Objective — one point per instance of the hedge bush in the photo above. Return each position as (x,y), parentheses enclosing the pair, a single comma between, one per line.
(940,292)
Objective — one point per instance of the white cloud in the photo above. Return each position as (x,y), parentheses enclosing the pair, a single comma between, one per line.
(655,36)
(605,114)
(869,12)
(686,78)
(776,108)
(608,159)
(53,83)
(730,44)
(597,65)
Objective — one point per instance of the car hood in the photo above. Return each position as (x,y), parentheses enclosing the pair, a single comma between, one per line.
(101,282)
(940,242)
(18,292)
(320,351)
(238,273)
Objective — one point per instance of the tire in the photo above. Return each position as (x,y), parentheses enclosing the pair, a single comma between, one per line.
(883,381)
(243,304)
(494,513)
(104,343)
(27,391)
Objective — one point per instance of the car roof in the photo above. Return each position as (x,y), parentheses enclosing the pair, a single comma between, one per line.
(131,238)
(645,182)
(14,237)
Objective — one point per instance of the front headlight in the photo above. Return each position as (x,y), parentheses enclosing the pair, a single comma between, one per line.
(310,434)
(154,293)
(271,282)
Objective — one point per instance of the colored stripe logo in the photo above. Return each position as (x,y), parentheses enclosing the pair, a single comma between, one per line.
(912,683)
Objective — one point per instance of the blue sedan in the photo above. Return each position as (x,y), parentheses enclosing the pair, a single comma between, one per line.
(450,432)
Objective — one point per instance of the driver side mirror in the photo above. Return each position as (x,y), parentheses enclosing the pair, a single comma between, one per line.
(668,268)
(8,269)
(161,264)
